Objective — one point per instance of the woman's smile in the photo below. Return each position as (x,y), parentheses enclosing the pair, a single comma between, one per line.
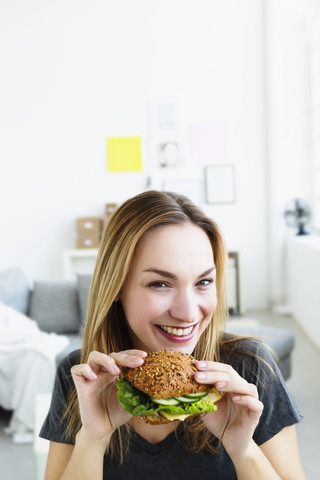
(177,334)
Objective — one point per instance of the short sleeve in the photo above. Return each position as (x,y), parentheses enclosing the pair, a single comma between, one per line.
(54,425)
(280,409)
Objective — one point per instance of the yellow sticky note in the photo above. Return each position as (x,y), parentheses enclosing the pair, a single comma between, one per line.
(124,154)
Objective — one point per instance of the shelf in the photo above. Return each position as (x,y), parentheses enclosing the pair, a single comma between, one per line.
(79,261)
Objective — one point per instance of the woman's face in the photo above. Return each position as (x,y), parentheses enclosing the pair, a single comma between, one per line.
(170,293)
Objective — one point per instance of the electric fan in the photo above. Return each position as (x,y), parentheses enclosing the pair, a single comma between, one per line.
(297,214)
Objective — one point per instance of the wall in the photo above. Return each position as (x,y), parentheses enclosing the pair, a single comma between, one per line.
(288,132)
(75,72)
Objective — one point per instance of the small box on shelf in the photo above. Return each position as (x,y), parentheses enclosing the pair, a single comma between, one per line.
(110,208)
(89,225)
(88,241)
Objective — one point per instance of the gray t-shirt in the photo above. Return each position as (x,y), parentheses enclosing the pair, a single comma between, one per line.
(169,459)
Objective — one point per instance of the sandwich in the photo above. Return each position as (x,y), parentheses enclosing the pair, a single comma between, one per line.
(164,389)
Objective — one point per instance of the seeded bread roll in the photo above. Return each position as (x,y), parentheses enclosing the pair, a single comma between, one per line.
(165,374)
(155,419)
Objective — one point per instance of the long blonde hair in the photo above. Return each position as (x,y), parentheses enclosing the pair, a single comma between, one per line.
(106,327)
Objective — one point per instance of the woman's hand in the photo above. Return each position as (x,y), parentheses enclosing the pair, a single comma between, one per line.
(95,383)
(239,409)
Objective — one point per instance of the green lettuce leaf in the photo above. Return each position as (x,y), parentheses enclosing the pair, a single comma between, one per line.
(201,406)
(136,402)
(133,400)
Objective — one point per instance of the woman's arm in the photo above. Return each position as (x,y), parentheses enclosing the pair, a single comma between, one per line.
(57,461)
(100,412)
(276,459)
(282,451)
(82,461)
(235,421)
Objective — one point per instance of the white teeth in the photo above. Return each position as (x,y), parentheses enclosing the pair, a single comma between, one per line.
(178,332)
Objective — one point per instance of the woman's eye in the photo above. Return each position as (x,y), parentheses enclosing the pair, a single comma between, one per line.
(205,282)
(158,284)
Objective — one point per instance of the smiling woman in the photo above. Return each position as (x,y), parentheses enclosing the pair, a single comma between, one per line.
(167,301)
(159,285)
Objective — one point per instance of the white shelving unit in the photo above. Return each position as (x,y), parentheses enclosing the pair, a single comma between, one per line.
(79,261)
(303,266)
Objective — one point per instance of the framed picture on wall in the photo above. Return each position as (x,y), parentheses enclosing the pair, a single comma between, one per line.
(169,154)
(219,183)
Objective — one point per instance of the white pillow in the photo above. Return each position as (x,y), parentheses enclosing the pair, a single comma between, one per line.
(15,327)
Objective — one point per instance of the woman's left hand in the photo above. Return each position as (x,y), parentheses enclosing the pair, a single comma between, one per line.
(239,409)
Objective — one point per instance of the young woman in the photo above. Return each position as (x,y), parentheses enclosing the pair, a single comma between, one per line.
(159,284)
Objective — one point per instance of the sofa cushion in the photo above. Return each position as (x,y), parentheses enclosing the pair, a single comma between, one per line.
(55,307)
(14,289)
(75,343)
(84,283)
(281,341)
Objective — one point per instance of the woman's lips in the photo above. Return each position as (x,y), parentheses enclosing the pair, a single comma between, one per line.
(175,334)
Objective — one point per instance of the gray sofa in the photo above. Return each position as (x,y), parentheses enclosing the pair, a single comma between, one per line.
(60,307)
(281,342)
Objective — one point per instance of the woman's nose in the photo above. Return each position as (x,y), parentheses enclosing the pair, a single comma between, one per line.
(184,307)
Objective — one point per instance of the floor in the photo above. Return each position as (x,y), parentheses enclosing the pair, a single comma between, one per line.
(17,461)
(304,384)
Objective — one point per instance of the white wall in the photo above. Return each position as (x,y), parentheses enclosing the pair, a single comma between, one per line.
(74,72)
(288,155)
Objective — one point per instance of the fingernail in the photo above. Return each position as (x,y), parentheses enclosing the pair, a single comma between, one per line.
(138,361)
(202,364)
(93,376)
(116,370)
(220,385)
(201,375)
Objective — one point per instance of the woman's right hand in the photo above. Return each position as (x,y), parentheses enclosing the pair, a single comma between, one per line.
(95,382)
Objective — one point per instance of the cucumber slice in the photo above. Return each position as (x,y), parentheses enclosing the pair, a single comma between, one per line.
(197,395)
(165,401)
(186,399)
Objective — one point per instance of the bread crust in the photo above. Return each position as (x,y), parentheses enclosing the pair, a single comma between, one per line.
(165,374)
(155,419)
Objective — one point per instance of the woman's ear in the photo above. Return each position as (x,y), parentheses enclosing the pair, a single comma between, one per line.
(117,297)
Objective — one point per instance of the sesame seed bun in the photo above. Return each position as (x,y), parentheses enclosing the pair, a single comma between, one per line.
(155,419)
(165,374)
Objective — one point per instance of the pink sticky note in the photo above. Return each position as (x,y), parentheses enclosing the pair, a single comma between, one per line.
(208,142)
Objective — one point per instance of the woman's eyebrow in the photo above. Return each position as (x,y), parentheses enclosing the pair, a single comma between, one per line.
(207,272)
(164,273)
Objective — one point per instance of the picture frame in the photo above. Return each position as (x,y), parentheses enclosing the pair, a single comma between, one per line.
(169,154)
(219,183)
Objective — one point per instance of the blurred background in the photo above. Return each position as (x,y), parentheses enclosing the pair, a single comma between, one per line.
(233,76)
(103,99)
(74,73)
